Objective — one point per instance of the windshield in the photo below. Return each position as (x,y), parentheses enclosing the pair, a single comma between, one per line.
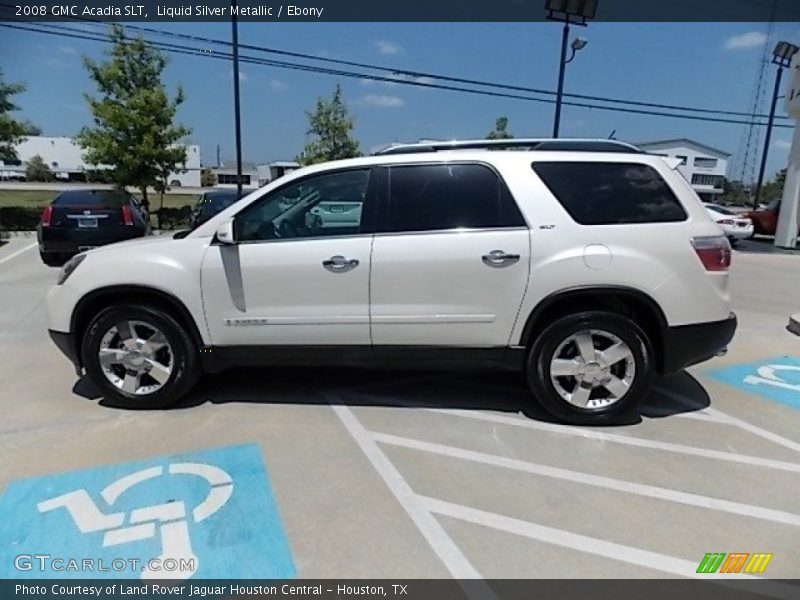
(104,198)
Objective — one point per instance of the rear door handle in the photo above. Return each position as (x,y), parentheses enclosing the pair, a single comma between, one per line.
(339,264)
(499,259)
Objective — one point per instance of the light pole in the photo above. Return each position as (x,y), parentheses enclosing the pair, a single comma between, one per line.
(569,12)
(781,56)
(236,104)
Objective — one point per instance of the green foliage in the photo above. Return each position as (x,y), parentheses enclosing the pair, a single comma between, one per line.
(169,218)
(19,218)
(500,131)
(774,188)
(11,130)
(207,178)
(133,131)
(37,170)
(331,125)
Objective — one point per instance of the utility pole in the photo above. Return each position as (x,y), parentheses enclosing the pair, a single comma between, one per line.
(568,11)
(237,109)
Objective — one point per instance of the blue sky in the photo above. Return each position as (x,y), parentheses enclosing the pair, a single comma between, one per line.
(699,64)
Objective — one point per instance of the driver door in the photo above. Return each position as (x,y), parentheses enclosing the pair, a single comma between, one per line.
(295,277)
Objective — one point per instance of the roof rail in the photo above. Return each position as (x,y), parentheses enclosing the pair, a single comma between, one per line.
(540,144)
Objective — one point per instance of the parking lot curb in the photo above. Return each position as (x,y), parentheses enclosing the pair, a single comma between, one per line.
(794,324)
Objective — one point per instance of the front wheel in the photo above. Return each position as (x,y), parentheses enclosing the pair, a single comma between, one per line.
(591,367)
(139,357)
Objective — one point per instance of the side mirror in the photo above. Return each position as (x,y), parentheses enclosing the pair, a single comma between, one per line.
(225,232)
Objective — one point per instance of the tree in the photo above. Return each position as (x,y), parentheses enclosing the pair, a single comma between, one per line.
(134,132)
(774,188)
(31,128)
(11,130)
(37,170)
(500,131)
(207,178)
(332,125)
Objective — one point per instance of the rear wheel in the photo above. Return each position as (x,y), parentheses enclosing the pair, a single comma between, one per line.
(590,367)
(139,357)
(52,259)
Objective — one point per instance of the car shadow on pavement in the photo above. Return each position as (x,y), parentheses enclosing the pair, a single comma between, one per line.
(474,390)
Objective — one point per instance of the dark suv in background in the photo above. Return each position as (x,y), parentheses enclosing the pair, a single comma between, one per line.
(212,202)
(78,220)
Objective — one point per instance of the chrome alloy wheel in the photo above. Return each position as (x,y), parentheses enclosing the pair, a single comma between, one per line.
(592,368)
(136,357)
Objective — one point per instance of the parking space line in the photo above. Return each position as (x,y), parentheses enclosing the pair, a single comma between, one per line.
(454,560)
(18,252)
(598,547)
(621,439)
(620,485)
(754,429)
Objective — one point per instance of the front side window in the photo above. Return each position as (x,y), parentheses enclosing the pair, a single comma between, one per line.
(604,193)
(448,196)
(323,205)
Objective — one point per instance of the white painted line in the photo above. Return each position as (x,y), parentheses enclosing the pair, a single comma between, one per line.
(18,252)
(621,439)
(628,554)
(457,564)
(755,430)
(619,485)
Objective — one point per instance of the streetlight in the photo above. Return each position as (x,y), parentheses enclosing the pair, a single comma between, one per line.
(568,11)
(237,115)
(781,56)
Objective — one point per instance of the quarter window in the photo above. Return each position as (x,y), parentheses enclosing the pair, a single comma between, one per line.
(448,196)
(324,205)
(611,193)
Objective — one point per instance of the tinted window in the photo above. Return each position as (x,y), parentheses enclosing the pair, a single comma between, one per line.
(435,197)
(329,204)
(611,193)
(105,198)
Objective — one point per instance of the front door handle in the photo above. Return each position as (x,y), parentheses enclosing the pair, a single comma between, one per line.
(499,259)
(339,264)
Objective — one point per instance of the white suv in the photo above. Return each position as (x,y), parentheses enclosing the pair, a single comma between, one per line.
(589,265)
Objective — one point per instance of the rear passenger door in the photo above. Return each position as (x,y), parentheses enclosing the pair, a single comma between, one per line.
(450,257)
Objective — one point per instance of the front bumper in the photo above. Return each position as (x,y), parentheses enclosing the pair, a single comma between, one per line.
(67,344)
(688,345)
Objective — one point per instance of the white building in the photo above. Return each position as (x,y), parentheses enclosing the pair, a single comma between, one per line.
(64,157)
(274,170)
(702,166)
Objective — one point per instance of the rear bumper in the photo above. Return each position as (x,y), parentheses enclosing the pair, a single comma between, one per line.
(72,241)
(688,345)
(66,343)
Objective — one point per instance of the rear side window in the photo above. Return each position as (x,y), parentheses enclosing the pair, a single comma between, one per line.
(89,198)
(611,193)
(448,196)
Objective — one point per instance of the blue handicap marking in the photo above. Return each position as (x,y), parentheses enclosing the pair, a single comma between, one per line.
(777,379)
(207,514)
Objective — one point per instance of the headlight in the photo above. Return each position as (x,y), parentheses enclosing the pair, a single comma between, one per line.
(69,267)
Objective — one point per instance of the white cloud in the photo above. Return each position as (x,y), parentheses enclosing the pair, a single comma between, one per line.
(67,50)
(278,85)
(783,145)
(382,101)
(386,47)
(750,39)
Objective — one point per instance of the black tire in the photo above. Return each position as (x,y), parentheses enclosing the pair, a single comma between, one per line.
(185,358)
(542,351)
(52,260)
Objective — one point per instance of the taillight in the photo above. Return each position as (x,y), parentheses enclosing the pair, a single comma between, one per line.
(726,222)
(127,215)
(713,251)
(47,214)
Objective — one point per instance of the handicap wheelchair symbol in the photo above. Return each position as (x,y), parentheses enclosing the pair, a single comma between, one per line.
(776,379)
(169,519)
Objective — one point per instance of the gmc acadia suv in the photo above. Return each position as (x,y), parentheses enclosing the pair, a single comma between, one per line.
(589,265)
